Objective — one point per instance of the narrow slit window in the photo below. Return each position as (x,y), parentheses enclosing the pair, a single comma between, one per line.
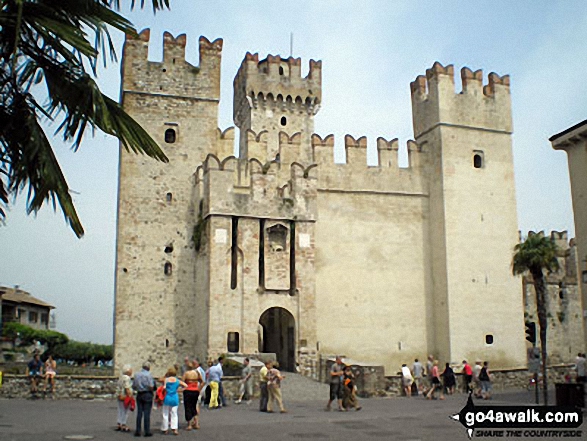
(283,121)
(233,342)
(169,197)
(170,136)
(489,339)
(234,254)
(478,161)
(292,259)
(168,268)
(262,253)
(281,72)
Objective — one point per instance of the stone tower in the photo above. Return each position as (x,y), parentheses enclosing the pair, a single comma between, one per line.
(177,103)
(256,216)
(271,95)
(473,222)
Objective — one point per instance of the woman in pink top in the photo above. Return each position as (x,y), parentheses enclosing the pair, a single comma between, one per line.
(436,384)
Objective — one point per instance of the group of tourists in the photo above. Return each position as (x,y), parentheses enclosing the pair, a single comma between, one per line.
(142,391)
(39,372)
(199,388)
(429,381)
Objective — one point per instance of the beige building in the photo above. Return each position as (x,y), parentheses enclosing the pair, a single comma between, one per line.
(282,250)
(19,306)
(574,141)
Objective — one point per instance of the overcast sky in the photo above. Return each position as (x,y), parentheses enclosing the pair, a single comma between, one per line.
(371,51)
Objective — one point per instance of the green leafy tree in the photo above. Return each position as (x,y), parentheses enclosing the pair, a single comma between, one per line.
(536,254)
(49,50)
(28,335)
(82,352)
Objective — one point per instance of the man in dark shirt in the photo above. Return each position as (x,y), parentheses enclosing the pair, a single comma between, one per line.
(336,374)
(144,384)
(35,372)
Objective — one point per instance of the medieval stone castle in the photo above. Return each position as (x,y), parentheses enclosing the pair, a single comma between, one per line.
(279,249)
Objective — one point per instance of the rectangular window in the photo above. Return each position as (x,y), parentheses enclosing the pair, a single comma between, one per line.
(44,318)
(33,317)
(233,342)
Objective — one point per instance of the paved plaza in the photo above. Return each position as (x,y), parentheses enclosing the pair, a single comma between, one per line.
(381,419)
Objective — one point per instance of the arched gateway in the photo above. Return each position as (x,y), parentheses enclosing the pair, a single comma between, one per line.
(278,336)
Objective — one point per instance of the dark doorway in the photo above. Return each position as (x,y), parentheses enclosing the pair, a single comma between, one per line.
(279,337)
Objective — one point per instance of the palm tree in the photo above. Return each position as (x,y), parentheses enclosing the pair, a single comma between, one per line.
(536,254)
(49,51)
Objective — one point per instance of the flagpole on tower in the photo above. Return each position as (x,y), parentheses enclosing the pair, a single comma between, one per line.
(291,44)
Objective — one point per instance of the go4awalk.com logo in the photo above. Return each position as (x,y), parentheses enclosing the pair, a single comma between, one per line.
(520,421)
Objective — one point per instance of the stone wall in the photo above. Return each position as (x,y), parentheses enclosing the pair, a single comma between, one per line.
(565,322)
(66,387)
(308,363)
(90,388)
(370,380)
(506,379)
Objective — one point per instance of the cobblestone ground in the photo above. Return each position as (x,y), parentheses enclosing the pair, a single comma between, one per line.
(402,419)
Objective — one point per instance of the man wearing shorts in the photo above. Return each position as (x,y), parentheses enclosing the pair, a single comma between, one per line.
(336,374)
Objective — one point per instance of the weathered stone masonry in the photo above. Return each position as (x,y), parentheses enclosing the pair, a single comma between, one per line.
(283,250)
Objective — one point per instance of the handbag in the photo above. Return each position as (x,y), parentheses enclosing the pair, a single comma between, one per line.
(130,403)
(160,395)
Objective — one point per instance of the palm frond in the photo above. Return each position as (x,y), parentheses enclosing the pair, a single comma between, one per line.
(32,164)
(535,252)
(50,43)
(157,4)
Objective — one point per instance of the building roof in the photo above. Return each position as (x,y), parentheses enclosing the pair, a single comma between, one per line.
(20,296)
(569,130)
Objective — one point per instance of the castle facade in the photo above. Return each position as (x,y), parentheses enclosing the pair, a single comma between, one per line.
(279,249)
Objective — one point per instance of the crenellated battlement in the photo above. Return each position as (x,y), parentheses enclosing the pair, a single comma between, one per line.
(248,187)
(356,175)
(469,80)
(479,105)
(276,84)
(356,151)
(560,238)
(225,142)
(173,76)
